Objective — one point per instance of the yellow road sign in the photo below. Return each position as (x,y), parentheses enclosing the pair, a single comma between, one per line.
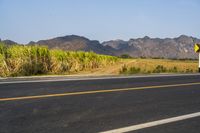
(197,48)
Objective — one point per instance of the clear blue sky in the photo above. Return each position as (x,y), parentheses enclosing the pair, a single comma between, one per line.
(27,20)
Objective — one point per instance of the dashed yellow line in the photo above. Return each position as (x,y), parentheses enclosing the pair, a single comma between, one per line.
(94,92)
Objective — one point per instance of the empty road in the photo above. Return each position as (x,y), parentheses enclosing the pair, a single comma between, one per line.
(138,104)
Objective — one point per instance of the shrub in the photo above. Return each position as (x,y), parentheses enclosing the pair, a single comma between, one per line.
(173,70)
(160,69)
(131,70)
(124,69)
(188,70)
(134,70)
(125,56)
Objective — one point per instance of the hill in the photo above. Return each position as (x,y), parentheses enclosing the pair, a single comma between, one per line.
(8,42)
(76,43)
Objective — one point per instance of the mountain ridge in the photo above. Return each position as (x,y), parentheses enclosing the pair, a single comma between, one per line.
(179,47)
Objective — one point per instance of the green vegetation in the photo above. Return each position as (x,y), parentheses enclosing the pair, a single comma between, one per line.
(125,56)
(131,70)
(22,60)
(160,69)
(19,60)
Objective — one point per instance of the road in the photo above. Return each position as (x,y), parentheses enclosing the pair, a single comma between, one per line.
(105,104)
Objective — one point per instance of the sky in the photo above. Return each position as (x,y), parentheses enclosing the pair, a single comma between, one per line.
(32,20)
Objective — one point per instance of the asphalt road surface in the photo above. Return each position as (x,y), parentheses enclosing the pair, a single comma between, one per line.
(152,104)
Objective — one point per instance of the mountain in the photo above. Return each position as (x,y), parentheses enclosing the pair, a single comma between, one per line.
(174,48)
(8,42)
(75,43)
(180,47)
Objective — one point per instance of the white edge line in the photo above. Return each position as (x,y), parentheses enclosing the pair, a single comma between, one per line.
(153,123)
(95,78)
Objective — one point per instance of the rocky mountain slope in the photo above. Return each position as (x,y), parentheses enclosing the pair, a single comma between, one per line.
(180,47)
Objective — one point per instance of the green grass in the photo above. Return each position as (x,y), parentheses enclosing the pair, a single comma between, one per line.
(18,60)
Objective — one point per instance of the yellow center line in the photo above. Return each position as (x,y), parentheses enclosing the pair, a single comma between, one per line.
(94,92)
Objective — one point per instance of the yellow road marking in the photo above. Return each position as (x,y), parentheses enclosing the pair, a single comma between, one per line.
(93,92)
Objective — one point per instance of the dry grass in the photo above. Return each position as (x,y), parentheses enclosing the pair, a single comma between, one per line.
(149,65)
(146,66)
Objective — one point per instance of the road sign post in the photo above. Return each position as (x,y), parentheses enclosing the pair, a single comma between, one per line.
(197,50)
(199,62)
